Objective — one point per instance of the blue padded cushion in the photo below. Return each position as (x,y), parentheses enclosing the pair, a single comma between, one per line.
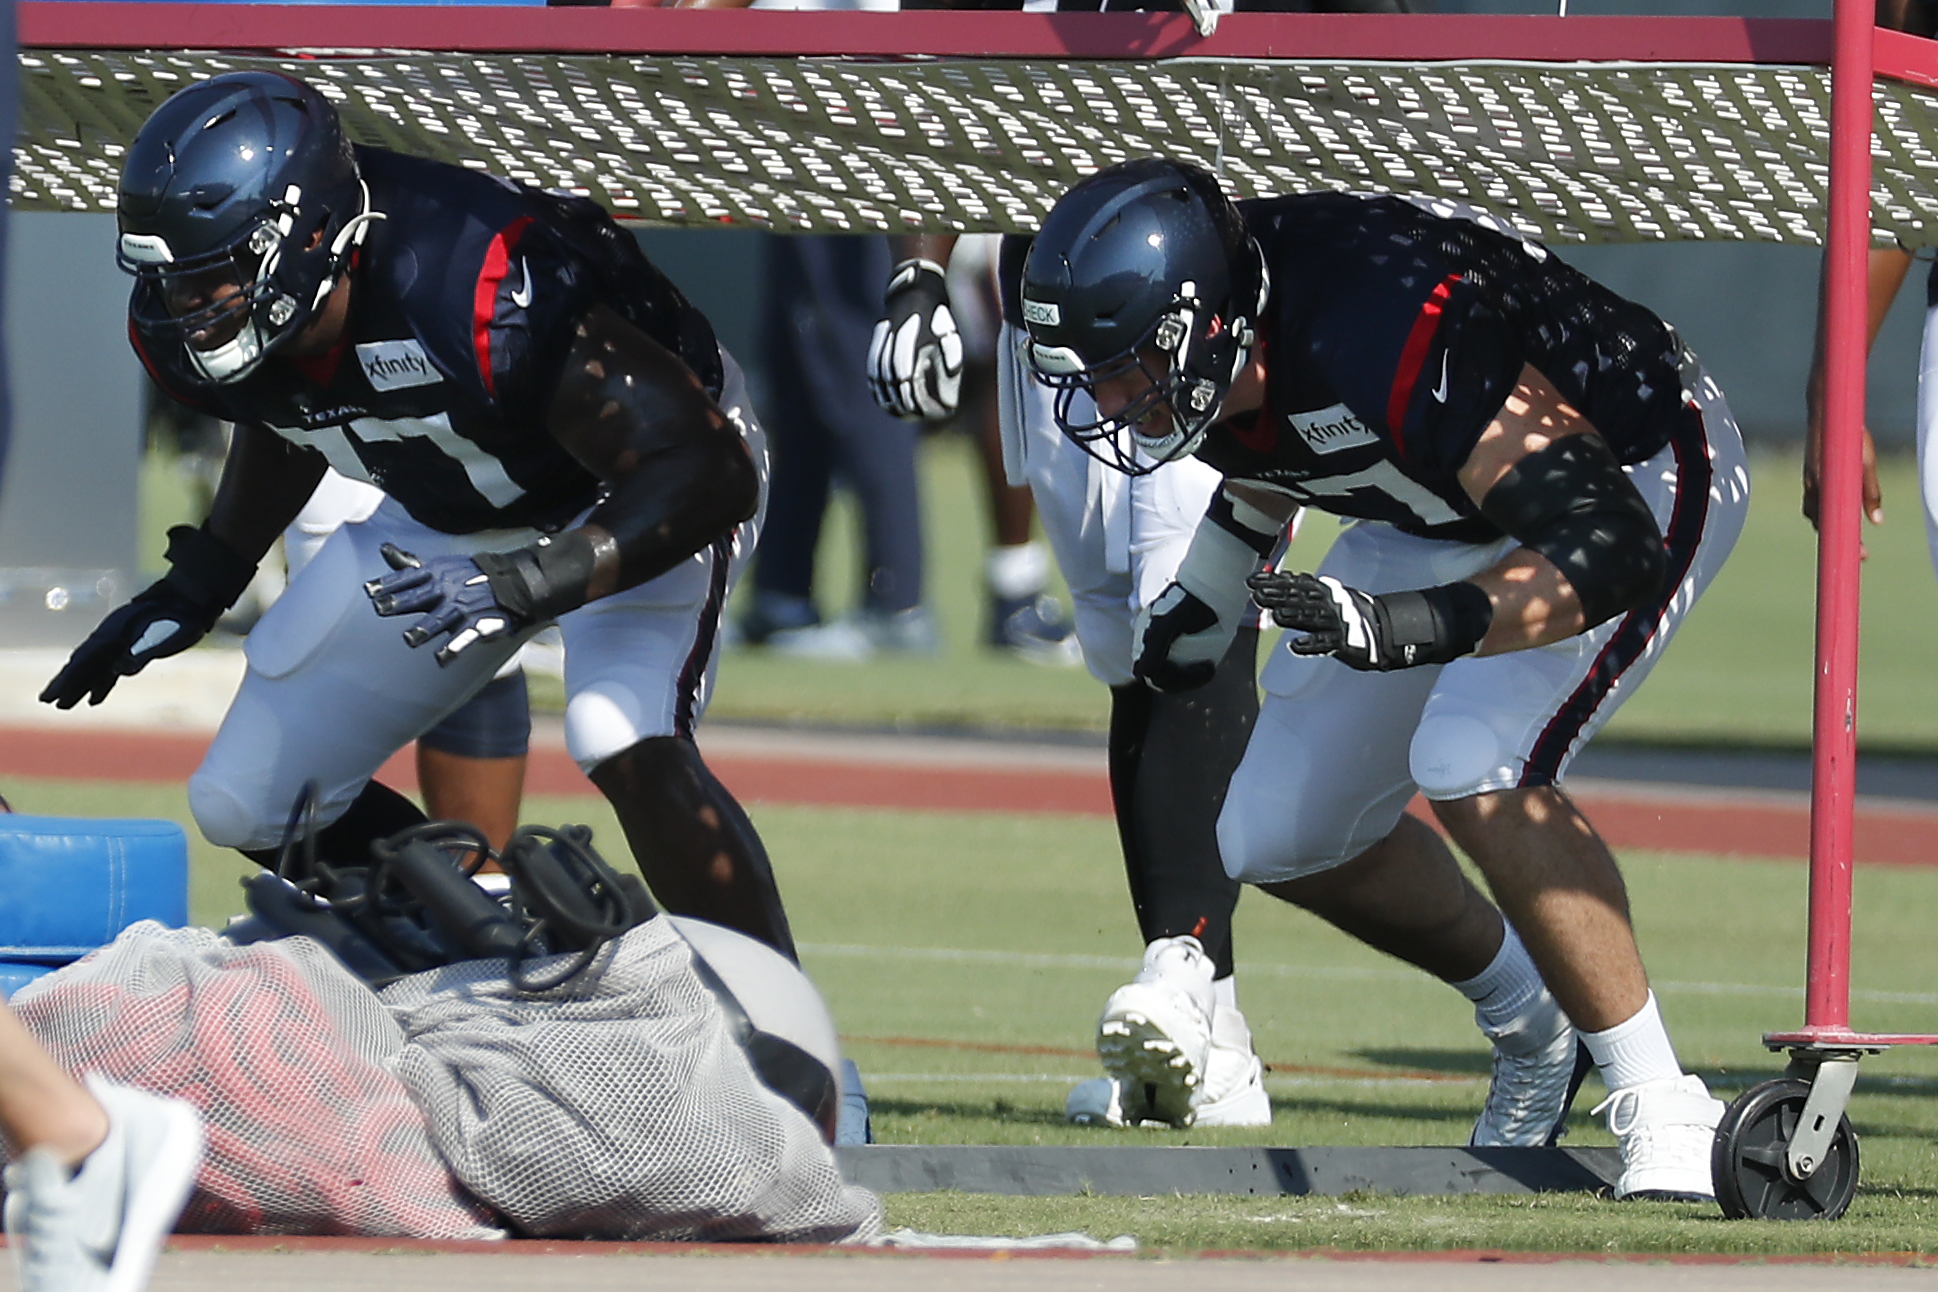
(70,884)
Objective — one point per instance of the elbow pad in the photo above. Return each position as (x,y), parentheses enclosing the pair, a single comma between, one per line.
(1572,503)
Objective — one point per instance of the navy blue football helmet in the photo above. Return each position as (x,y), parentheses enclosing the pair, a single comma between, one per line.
(240,206)
(1146,266)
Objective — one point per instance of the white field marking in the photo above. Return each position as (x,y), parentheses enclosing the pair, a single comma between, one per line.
(1871,1083)
(1037,960)
(1272,1080)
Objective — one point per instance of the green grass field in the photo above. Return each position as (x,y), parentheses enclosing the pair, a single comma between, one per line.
(965,957)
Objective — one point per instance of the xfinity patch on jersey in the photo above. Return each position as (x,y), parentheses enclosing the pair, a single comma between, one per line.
(396,365)
(1332,430)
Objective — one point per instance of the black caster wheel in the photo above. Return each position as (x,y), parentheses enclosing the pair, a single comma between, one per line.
(1753,1180)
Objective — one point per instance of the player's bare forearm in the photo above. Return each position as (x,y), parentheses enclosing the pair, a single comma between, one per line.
(678,472)
(1534,604)
(1885,273)
(265,482)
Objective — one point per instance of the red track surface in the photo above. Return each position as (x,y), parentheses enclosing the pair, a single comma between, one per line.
(1631,817)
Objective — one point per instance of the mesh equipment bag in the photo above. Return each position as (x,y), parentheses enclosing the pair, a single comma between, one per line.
(617,1105)
(287,1055)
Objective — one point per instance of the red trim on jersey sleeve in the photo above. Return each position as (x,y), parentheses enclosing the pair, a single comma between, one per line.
(1412,356)
(484,301)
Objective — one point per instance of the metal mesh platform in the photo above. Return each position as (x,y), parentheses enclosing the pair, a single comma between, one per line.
(1573,152)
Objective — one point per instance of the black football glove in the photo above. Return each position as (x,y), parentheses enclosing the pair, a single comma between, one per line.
(1180,640)
(1374,633)
(915,356)
(454,595)
(205,578)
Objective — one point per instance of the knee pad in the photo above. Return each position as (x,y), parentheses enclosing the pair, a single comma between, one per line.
(1266,837)
(222,816)
(1455,755)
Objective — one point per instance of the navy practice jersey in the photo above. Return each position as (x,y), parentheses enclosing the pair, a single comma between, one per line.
(463,303)
(1393,337)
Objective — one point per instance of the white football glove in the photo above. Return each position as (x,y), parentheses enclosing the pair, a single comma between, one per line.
(915,356)
(1186,630)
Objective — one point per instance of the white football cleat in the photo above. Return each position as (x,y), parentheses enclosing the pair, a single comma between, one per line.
(1106,1101)
(1233,1093)
(1539,1064)
(1156,1029)
(1667,1130)
(99,1228)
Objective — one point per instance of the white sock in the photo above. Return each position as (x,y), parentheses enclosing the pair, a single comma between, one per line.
(1226,990)
(1503,990)
(1634,1051)
(1022,570)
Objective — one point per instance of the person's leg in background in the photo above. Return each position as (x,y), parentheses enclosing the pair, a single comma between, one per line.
(1022,617)
(825,302)
(781,595)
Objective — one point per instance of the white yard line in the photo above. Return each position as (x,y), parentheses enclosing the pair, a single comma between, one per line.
(1119,964)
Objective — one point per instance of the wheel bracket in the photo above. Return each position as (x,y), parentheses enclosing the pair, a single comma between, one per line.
(1831,1083)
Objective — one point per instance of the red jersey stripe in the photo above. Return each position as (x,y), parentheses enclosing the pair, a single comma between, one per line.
(1412,356)
(484,302)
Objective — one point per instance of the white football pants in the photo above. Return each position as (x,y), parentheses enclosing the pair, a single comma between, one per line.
(1337,754)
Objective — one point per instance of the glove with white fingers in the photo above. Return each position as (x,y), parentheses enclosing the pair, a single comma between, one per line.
(915,356)
(1375,633)
(454,594)
(1183,633)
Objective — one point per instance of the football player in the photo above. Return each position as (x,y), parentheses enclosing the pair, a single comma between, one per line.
(559,436)
(1117,541)
(1540,481)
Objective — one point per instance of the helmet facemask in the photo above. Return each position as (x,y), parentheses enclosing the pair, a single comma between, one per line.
(1189,357)
(280,270)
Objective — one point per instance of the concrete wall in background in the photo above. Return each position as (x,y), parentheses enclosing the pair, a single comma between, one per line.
(1749,311)
(68,508)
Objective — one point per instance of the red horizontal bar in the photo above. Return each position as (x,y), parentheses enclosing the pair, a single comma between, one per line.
(1905,58)
(116,24)
(1832,1037)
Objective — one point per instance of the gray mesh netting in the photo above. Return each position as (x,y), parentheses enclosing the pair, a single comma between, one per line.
(615,1107)
(1572,152)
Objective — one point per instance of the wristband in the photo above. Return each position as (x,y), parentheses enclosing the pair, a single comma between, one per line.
(544,580)
(206,571)
(1435,625)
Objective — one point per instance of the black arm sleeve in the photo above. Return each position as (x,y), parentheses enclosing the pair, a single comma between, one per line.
(1572,503)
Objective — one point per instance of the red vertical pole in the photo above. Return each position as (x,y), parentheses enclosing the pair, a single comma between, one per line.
(1834,771)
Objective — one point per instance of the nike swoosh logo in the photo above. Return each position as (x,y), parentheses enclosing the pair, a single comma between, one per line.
(522,297)
(1439,394)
